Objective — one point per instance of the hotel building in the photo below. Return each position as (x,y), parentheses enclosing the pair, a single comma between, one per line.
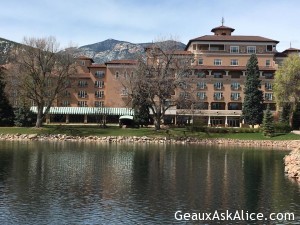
(218,73)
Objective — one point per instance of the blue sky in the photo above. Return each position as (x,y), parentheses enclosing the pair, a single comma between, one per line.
(82,22)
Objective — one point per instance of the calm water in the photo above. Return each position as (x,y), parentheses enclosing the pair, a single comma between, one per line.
(80,183)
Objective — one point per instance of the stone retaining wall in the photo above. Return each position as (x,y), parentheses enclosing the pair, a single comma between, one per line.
(292,161)
(292,164)
(144,139)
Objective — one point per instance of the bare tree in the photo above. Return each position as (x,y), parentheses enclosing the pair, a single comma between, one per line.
(41,71)
(160,78)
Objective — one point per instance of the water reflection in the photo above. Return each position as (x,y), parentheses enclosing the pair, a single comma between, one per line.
(80,183)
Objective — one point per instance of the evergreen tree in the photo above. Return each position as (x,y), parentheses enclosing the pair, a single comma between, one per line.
(24,117)
(253,100)
(296,118)
(6,111)
(141,108)
(285,114)
(268,123)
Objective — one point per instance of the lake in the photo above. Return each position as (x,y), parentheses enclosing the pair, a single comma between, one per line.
(93,183)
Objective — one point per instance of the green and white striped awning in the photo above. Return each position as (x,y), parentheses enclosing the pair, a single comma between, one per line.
(87,111)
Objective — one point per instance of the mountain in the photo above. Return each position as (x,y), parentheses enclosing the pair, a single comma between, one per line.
(111,49)
(5,46)
(100,52)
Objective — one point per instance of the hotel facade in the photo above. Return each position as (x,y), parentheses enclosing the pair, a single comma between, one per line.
(218,73)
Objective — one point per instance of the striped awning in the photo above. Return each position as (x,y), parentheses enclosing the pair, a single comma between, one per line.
(87,111)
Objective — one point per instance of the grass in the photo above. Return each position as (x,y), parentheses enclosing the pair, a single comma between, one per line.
(116,131)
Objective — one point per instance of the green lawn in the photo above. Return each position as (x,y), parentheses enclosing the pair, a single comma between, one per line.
(116,131)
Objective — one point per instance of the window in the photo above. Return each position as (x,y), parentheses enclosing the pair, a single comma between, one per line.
(32,103)
(125,74)
(117,75)
(124,92)
(218,95)
(251,49)
(234,49)
(82,83)
(234,62)
(268,86)
(217,47)
(67,83)
(269,75)
(15,93)
(48,83)
(218,75)
(16,103)
(269,96)
(99,104)
(235,96)
(82,62)
(234,106)
(82,103)
(48,93)
(184,95)
(99,94)
(65,103)
(200,74)
(218,85)
(201,85)
(217,62)
(66,93)
(99,74)
(268,62)
(235,86)
(201,95)
(183,85)
(217,106)
(270,48)
(82,94)
(99,84)
(194,46)
(200,61)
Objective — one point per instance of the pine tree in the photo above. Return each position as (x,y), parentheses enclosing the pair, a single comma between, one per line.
(253,100)
(268,123)
(6,111)
(24,117)
(296,118)
(285,114)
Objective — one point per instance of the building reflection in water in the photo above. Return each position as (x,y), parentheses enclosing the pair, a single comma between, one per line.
(128,181)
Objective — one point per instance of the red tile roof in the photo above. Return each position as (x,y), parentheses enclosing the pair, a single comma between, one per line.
(97,65)
(182,52)
(84,58)
(233,38)
(291,50)
(222,28)
(123,61)
(230,38)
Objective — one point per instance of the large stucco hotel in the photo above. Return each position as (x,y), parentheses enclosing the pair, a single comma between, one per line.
(219,72)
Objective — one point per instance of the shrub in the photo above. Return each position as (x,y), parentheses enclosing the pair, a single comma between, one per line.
(281,127)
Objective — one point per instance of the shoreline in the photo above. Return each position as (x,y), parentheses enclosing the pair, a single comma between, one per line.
(285,144)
